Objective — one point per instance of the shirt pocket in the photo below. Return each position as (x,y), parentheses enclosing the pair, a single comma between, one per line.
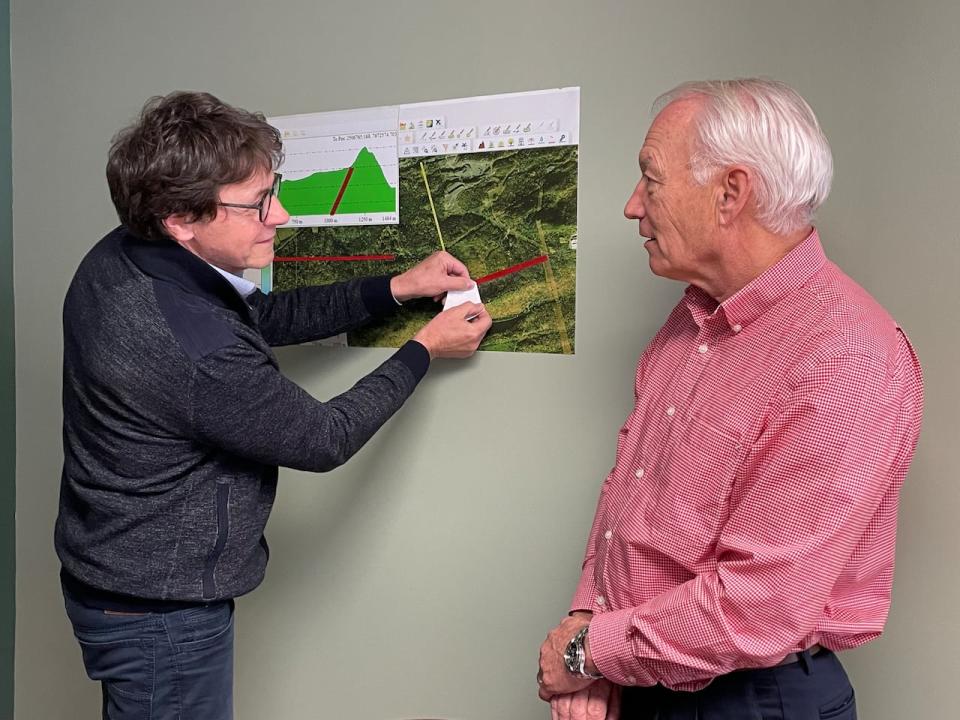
(689,495)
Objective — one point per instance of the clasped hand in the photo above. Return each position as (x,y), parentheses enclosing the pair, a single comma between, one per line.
(571,697)
(600,700)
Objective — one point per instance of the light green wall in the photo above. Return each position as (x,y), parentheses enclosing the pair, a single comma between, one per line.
(419,580)
(7,384)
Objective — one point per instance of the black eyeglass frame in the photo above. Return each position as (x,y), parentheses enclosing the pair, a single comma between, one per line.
(262,207)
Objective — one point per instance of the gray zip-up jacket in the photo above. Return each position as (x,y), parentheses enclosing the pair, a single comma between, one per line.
(176,416)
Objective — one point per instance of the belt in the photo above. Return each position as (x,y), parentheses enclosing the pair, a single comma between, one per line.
(795,657)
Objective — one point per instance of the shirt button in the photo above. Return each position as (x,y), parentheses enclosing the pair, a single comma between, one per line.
(702,349)
(608,534)
(601,600)
(737,328)
(639,473)
(631,680)
(671,411)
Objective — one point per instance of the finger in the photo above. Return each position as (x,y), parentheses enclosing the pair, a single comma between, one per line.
(483,321)
(467,310)
(578,704)
(596,702)
(563,707)
(554,713)
(557,683)
(613,703)
(479,317)
(481,310)
(456,282)
(454,266)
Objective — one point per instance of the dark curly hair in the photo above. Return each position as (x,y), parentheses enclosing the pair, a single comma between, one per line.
(178,154)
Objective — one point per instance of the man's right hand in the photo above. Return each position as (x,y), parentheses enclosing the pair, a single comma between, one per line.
(451,335)
(598,701)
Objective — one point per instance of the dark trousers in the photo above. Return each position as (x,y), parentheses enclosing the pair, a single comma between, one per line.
(175,665)
(813,688)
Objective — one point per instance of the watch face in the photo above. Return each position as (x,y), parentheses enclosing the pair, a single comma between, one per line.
(570,658)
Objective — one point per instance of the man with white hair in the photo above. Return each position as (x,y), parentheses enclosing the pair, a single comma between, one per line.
(746,532)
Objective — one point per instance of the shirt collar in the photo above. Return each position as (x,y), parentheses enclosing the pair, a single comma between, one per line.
(240,284)
(764,291)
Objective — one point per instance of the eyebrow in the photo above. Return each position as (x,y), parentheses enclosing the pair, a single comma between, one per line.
(260,194)
(646,164)
(267,187)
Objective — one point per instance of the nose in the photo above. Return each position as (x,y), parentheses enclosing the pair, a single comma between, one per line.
(634,209)
(278,214)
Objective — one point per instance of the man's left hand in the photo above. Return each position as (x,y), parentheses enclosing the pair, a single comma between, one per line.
(554,678)
(439,273)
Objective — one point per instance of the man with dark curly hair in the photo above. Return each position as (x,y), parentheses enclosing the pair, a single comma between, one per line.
(176,415)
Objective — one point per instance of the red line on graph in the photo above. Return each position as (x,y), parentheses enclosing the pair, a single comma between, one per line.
(336,203)
(334,258)
(512,269)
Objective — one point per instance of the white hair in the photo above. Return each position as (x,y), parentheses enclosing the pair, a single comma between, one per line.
(767,126)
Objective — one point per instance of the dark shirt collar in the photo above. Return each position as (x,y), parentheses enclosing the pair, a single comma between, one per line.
(167,261)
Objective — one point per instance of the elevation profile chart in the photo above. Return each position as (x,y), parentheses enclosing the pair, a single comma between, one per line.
(340,168)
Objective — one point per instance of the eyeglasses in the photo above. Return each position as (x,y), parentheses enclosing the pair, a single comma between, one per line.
(263,207)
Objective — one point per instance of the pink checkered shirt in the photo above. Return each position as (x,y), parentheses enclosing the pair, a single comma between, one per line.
(752,508)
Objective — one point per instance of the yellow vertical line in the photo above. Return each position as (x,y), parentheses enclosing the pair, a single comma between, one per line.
(552,284)
(436,223)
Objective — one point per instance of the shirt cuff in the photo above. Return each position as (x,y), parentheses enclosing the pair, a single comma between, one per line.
(376,295)
(612,649)
(415,356)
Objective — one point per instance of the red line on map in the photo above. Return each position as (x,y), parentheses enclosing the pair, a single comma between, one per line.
(336,203)
(334,258)
(512,269)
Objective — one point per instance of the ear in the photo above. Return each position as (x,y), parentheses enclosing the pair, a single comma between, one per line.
(179,228)
(736,185)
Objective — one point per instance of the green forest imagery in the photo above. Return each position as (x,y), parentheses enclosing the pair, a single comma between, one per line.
(495,210)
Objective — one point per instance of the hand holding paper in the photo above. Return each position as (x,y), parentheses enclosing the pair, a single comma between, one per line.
(456,332)
(439,273)
(459,297)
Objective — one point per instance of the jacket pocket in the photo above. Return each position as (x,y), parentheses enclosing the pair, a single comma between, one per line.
(223,530)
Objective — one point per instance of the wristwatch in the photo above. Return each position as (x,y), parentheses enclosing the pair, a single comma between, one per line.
(575,656)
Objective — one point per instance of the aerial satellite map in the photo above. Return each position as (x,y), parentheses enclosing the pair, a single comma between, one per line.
(504,203)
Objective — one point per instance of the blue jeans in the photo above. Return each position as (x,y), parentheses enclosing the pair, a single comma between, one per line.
(174,665)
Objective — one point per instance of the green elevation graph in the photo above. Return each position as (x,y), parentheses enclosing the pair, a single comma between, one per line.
(360,188)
